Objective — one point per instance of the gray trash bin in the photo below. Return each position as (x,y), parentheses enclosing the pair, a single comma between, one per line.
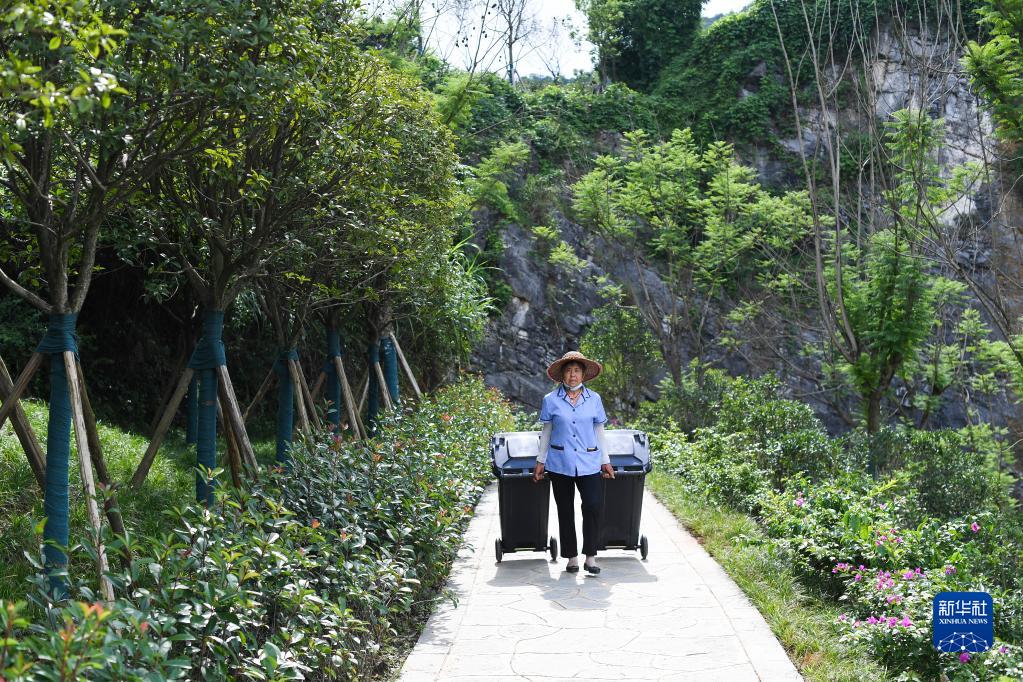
(629,451)
(523,504)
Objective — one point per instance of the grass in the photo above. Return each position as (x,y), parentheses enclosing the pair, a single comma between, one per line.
(170,483)
(805,624)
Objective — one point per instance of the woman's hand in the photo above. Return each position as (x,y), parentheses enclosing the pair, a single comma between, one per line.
(607,471)
(538,472)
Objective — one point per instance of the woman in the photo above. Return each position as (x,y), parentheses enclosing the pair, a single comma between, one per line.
(573,452)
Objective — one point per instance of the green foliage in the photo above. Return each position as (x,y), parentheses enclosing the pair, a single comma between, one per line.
(731,82)
(996,66)
(696,213)
(722,468)
(690,405)
(636,38)
(934,516)
(488,184)
(621,342)
(887,302)
(315,573)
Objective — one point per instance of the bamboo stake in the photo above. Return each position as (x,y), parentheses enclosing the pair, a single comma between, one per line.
(318,386)
(348,398)
(233,456)
(298,397)
(27,437)
(263,388)
(406,367)
(179,367)
(305,392)
(19,387)
(110,506)
(365,392)
(161,429)
(386,394)
(235,415)
(85,466)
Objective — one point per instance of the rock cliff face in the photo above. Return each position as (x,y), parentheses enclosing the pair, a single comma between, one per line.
(549,310)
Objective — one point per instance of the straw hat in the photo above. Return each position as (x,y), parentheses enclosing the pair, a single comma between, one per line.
(591,368)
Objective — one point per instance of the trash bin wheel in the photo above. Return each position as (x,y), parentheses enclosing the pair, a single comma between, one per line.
(553,546)
(498,550)
(644,546)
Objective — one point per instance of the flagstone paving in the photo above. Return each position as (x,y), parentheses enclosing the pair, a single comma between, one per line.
(675,616)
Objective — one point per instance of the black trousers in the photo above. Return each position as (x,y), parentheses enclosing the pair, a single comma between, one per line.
(591,491)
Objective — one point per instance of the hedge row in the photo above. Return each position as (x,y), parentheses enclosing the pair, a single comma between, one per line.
(321,571)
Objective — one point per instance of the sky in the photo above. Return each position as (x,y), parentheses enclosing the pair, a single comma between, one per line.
(561,53)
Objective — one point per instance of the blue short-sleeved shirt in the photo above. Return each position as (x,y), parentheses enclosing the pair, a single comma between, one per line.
(573,450)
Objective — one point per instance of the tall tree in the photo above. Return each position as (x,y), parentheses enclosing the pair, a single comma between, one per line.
(96,102)
(635,39)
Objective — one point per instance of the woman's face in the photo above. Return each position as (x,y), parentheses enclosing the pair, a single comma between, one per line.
(572,374)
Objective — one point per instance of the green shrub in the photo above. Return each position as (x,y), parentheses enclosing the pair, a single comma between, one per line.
(692,405)
(953,473)
(721,468)
(317,572)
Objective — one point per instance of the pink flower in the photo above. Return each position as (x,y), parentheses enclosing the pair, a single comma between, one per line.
(1003,649)
(964,657)
(908,575)
(872,620)
(858,577)
(800,501)
(949,570)
(892,620)
(856,623)
(975,527)
(843,617)
(906,622)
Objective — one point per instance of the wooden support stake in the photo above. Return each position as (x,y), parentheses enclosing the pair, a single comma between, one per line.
(348,399)
(364,393)
(234,414)
(307,394)
(161,428)
(19,387)
(179,367)
(318,385)
(384,393)
(233,456)
(85,466)
(110,506)
(263,388)
(27,437)
(299,398)
(406,367)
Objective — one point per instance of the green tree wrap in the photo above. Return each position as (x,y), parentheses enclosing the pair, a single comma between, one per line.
(207,356)
(209,351)
(60,337)
(192,411)
(206,443)
(285,403)
(373,394)
(333,380)
(389,360)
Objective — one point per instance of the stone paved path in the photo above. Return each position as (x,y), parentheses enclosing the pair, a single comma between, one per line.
(676,616)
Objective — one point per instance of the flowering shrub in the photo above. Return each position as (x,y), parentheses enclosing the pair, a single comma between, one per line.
(314,573)
(857,539)
(881,523)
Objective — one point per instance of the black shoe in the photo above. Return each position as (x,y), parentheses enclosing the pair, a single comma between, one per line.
(593,570)
(572,569)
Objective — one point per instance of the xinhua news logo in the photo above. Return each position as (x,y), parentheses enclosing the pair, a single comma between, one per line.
(964,622)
